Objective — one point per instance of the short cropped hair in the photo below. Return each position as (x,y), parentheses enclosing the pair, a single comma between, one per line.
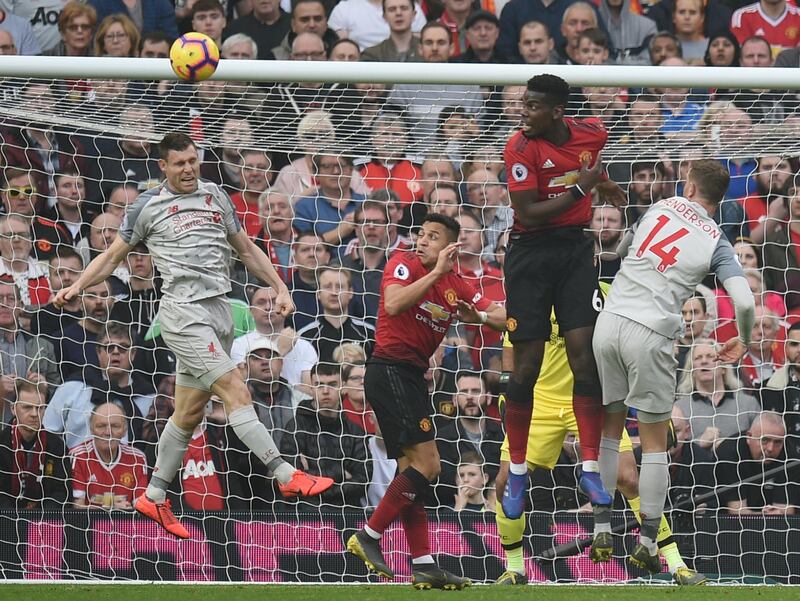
(472,458)
(554,89)
(67,252)
(239,38)
(176,141)
(433,25)
(202,6)
(345,273)
(10,173)
(155,37)
(450,224)
(596,36)
(325,369)
(24,385)
(711,179)
(115,331)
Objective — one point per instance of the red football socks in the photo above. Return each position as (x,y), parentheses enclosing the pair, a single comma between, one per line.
(518,423)
(415,525)
(589,415)
(402,492)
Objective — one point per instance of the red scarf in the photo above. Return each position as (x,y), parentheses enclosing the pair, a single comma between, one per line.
(284,271)
(25,482)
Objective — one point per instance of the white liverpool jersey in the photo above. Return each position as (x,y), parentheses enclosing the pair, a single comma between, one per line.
(675,245)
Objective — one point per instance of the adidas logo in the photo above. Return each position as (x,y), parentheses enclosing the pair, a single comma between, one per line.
(409,495)
(548,164)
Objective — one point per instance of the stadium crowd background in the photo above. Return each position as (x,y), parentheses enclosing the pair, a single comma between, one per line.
(96,375)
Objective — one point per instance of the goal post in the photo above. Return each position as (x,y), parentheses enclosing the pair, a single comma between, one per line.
(401,139)
(378,72)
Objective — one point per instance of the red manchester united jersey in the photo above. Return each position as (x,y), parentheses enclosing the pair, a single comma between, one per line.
(415,334)
(202,487)
(92,479)
(781,33)
(536,164)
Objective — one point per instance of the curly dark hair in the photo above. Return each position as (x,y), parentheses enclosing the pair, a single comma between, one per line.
(555,89)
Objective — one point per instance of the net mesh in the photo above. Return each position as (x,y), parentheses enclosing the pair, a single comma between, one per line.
(88,148)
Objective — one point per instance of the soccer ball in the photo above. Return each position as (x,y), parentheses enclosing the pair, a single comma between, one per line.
(194,56)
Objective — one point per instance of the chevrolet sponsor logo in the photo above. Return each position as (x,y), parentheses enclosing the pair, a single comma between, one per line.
(570,178)
(437,312)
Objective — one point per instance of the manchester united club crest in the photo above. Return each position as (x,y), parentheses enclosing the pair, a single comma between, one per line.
(450,296)
(425,424)
(585,156)
(126,480)
(511,324)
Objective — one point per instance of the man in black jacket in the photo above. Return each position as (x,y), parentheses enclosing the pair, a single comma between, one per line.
(34,468)
(470,431)
(321,441)
(782,392)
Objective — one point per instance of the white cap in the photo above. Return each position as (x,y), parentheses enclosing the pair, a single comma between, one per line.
(249,343)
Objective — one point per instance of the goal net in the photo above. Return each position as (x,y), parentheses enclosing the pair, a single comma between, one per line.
(329,179)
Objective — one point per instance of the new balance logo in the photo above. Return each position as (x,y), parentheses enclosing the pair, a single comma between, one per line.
(548,164)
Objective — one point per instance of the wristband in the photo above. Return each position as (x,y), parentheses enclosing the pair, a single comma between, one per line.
(577,192)
(484,316)
(505,378)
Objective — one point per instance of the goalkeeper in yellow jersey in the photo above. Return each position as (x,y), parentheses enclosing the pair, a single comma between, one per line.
(552,420)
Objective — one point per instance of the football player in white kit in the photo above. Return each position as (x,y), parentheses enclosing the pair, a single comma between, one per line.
(190,226)
(670,251)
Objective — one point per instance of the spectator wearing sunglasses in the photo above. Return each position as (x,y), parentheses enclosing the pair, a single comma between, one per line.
(111,381)
(76,25)
(20,199)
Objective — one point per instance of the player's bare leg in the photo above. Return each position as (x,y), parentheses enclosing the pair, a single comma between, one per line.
(587,404)
(528,357)
(190,406)
(244,421)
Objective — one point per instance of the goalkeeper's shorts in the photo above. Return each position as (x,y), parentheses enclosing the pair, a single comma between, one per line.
(550,424)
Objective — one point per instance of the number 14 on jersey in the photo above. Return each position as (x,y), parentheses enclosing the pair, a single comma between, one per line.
(659,248)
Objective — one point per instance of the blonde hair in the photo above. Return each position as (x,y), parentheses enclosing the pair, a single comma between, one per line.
(127,25)
(349,353)
(686,383)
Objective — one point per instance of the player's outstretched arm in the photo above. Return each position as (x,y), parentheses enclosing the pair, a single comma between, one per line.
(259,265)
(494,316)
(532,212)
(97,271)
(397,298)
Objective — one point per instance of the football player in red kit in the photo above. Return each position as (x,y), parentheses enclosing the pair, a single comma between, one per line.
(420,297)
(553,164)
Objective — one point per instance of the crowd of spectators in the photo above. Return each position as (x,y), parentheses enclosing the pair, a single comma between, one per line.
(331,179)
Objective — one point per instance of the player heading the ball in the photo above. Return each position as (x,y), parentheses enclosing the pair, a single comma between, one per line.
(553,164)
(189,227)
